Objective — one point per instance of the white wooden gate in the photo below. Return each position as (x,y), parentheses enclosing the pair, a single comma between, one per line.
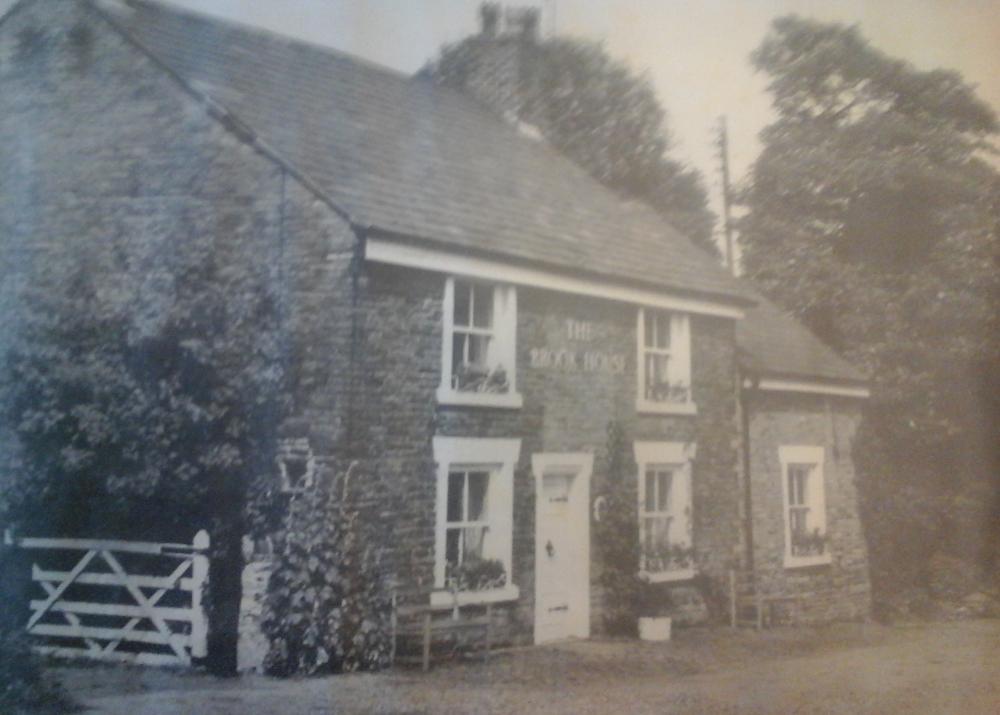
(128,601)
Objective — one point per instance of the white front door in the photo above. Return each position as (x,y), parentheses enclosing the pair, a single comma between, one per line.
(562,546)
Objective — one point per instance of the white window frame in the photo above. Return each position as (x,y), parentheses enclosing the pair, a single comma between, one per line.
(814,457)
(498,457)
(504,338)
(295,450)
(678,456)
(680,363)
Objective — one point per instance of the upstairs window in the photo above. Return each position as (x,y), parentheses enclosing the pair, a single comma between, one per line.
(479,344)
(664,362)
(665,528)
(806,539)
(473,367)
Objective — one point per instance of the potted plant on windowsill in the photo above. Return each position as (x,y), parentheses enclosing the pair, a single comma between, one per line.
(478,378)
(806,543)
(654,612)
(669,557)
(673,393)
(476,575)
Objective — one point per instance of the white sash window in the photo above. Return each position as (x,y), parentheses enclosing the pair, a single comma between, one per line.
(806,538)
(479,344)
(664,362)
(666,549)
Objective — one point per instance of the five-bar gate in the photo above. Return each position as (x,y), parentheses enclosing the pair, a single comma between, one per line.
(128,601)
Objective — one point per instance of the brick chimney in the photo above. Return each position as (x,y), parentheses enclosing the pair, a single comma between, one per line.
(498,55)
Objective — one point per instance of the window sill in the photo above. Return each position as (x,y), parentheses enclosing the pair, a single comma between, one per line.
(667,576)
(508,400)
(666,408)
(797,562)
(446,599)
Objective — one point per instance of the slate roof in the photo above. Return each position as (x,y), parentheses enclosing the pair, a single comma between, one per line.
(412,158)
(774,344)
(405,156)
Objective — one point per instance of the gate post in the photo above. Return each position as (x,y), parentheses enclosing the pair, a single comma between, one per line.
(199,578)
(15,582)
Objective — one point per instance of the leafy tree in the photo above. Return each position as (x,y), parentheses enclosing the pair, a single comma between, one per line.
(873,215)
(601,115)
(141,388)
(143,385)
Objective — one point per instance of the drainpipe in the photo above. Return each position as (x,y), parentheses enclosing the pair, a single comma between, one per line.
(743,398)
(357,381)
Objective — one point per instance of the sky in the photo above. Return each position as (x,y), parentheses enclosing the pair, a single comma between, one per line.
(695,51)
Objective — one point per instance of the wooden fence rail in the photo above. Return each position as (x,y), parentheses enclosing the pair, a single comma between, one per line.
(125,621)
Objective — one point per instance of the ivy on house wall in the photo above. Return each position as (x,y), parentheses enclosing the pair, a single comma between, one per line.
(328,607)
(617,539)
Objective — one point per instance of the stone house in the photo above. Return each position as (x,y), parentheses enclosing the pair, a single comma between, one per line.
(469,311)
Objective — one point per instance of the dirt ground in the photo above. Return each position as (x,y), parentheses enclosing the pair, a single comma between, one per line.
(920,668)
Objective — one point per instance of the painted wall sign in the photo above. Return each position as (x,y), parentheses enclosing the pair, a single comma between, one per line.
(571,359)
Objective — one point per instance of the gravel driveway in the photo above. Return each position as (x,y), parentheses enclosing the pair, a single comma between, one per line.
(926,668)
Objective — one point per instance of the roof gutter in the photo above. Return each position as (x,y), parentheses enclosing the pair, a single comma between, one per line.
(396,249)
(807,385)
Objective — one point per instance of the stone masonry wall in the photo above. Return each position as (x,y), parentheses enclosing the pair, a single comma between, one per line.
(564,410)
(839,590)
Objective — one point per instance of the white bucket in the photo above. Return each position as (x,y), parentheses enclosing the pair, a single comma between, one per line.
(654,629)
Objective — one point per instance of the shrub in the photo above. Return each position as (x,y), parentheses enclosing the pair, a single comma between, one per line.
(327,607)
(617,540)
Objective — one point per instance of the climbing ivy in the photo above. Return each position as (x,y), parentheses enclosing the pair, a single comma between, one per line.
(617,539)
(328,606)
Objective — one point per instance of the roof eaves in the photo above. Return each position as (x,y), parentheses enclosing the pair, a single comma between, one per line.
(730,299)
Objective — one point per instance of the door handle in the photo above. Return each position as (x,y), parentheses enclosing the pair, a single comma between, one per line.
(550,549)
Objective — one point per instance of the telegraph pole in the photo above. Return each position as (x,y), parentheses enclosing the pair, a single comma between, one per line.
(722,144)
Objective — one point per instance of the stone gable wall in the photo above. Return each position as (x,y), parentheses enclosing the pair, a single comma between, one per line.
(98,144)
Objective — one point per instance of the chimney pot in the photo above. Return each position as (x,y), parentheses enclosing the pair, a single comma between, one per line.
(529,24)
(489,16)
(524,22)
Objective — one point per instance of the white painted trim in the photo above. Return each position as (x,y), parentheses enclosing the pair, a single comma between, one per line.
(800,562)
(383,251)
(447,396)
(582,465)
(804,454)
(665,408)
(667,576)
(673,453)
(816,388)
(498,455)
(664,452)
(510,592)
